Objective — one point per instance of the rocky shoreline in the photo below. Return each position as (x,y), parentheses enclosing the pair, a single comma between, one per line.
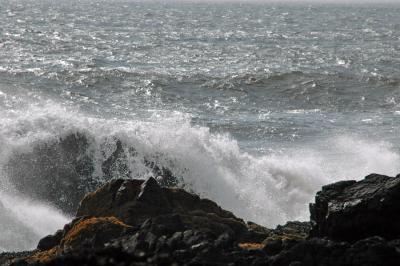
(140,222)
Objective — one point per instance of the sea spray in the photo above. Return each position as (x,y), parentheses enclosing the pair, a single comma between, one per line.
(268,189)
(24,222)
(252,105)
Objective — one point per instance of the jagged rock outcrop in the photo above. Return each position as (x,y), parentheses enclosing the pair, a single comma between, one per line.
(286,236)
(165,225)
(135,201)
(350,210)
(373,251)
(137,222)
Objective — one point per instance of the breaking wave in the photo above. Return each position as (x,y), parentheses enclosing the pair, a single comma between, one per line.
(51,156)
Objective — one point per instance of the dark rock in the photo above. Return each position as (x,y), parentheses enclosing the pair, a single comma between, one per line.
(135,201)
(137,222)
(152,194)
(154,221)
(93,232)
(8,258)
(373,251)
(96,257)
(224,241)
(273,246)
(312,252)
(351,210)
(50,241)
(293,228)
(175,241)
(286,236)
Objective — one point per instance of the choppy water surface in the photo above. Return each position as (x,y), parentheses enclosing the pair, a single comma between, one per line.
(254,105)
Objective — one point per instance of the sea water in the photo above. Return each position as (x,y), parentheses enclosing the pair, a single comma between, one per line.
(255,106)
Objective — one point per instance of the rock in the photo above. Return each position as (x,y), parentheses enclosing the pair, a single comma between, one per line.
(350,210)
(135,201)
(301,229)
(8,258)
(374,251)
(140,216)
(84,232)
(286,236)
(311,252)
(224,241)
(93,232)
(50,241)
(152,194)
(158,224)
(41,257)
(93,257)
(139,222)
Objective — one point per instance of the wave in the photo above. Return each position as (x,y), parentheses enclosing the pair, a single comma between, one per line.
(23,222)
(53,155)
(126,89)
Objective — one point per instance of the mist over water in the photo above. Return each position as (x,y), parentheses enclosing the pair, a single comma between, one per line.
(253,106)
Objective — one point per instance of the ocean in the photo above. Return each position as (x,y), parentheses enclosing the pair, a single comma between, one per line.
(255,106)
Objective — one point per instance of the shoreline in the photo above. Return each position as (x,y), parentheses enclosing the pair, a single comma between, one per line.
(140,222)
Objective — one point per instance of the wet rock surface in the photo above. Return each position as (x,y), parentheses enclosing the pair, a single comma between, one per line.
(350,210)
(137,222)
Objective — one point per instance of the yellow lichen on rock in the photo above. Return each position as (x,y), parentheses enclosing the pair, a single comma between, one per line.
(43,256)
(251,246)
(285,237)
(96,229)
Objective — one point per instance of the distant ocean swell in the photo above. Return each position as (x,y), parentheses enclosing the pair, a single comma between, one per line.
(255,106)
(247,92)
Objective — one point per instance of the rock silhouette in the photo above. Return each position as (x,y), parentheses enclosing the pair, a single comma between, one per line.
(139,222)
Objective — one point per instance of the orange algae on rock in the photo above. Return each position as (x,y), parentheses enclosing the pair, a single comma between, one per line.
(97,230)
(43,256)
(251,246)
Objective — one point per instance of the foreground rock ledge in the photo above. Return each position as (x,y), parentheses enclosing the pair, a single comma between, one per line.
(350,210)
(137,222)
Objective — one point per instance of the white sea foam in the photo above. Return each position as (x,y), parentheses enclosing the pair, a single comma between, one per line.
(256,73)
(24,222)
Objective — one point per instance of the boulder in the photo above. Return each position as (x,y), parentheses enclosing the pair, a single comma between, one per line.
(135,201)
(139,222)
(50,241)
(372,251)
(83,232)
(140,215)
(93,232)
(350,210)
(286,236)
